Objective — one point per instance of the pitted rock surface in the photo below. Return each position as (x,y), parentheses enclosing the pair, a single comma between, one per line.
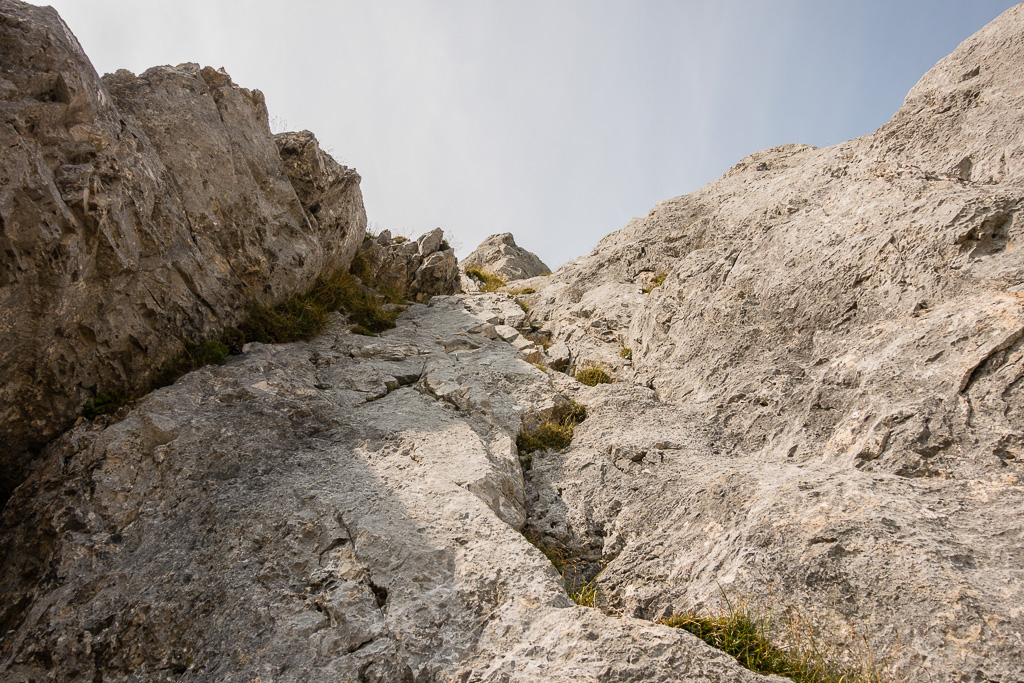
(818,364)
(346,509)
(836,350)
(136,212)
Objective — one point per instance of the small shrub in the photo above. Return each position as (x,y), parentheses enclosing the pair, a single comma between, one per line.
(626,353)
(659,280)
(400,239)
(551,435)
(577,413)
(393,294)
(524,290)
(444,245)
(489,282)
(593,376)
(234,339)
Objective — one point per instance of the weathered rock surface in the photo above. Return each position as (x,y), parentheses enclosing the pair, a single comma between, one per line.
(416,269)
(818,361)
(342,510)
(499,254)
(135,212)
(824,394)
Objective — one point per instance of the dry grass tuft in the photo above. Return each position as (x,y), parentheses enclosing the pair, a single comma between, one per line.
(489,282)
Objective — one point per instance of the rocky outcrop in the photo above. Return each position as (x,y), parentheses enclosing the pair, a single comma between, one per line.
(381,494)
(818,364)
(416,270)
(500,255)
(136,212)
(823,382)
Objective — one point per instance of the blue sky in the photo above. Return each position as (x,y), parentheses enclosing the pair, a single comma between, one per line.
(556,120)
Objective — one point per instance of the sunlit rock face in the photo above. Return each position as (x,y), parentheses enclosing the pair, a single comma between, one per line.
(136,212)
(836,349)
(817,365)
(499,254)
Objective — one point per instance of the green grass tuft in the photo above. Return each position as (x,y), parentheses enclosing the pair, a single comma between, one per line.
(444,246)
(659,280)
(524,290)
(489,282)
(745,632)
(626,353)
(550,435)
(593,376)
(300,318)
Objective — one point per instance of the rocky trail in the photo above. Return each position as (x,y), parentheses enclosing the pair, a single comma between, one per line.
(345,509)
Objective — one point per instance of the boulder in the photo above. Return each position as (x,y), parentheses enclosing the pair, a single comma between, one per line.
(499,254)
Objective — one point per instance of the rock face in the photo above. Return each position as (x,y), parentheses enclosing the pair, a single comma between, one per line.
(416,269)
(824,391)
(818,397)
(381,495)
(135,212)
(499,254)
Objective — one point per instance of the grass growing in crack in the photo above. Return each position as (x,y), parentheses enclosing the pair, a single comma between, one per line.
(550,435)
(593,376)
(626,353)
(659,280)
(523,305)
(524,290)
(105,404)
(587,595)
(583,593)
(746,632)
(489,282)
(299,318)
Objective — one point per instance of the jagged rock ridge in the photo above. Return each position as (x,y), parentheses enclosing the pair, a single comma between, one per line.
(500,255)
(138,211)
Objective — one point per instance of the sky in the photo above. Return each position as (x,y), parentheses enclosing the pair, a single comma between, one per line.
(555,120)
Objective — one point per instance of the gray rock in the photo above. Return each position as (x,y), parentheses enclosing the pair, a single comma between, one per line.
(134,212)
(500,255)
(835,350)
(344,509)
(419,270)
(559,357)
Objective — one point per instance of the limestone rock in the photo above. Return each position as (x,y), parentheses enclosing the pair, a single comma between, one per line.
(135,212)
(832,341)
(418,270)
(345,509)
(499,254)
(329,192)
